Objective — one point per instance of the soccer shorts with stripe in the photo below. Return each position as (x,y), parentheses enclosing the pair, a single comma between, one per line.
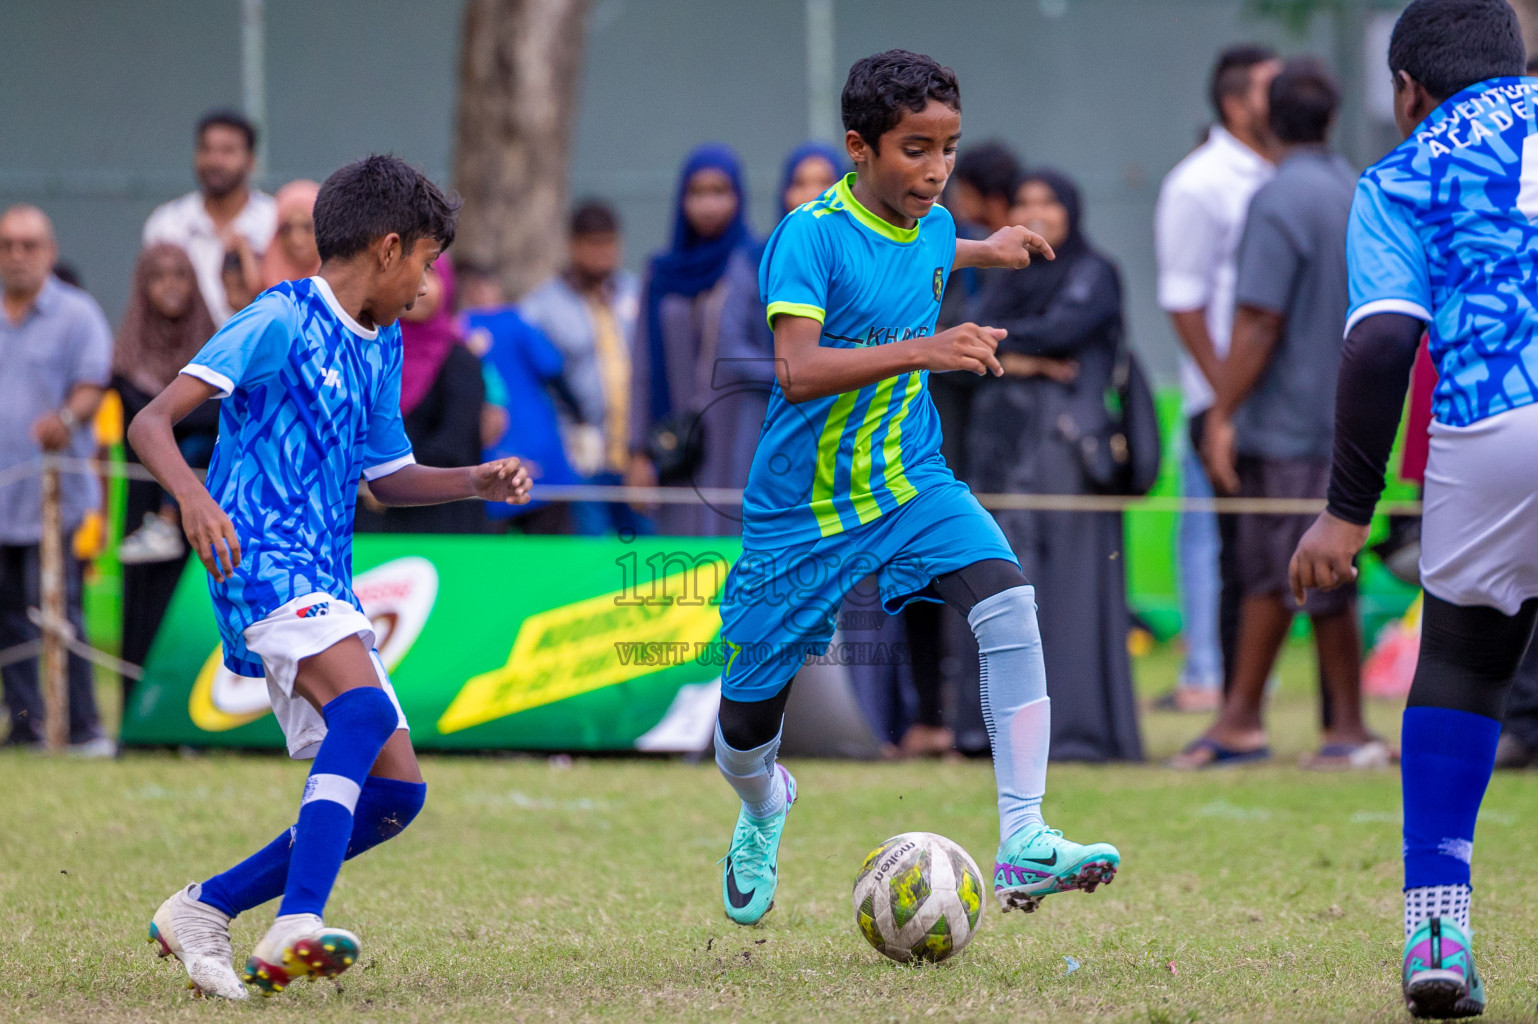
(781,603)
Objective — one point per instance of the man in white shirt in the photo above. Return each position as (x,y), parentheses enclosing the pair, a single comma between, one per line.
(209,222)
(1197,225)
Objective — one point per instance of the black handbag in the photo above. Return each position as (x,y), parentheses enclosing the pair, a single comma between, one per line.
(676,446)
(1120,454)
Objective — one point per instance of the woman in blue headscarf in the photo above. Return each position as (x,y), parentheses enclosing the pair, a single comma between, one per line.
(745,367)
(676,335)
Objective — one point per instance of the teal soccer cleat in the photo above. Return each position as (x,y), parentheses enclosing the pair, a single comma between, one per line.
(751,871)
(1037,862)
(1439,976)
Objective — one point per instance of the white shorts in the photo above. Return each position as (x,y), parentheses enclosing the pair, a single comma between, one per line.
(1479,533)
(299,629)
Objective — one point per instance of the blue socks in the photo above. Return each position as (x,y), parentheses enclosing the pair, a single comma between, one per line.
(385,808)
(1016,708)
(1445,765)
(358,723)
(751,773)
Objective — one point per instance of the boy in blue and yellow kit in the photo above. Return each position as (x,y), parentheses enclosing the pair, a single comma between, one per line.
(848,480)
(310,375)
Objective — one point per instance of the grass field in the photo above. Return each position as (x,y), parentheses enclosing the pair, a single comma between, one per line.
(534,890)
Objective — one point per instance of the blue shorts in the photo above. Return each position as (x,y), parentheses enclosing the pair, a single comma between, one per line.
(781,605)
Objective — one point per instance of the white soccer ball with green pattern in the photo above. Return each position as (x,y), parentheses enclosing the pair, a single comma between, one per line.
(918,896)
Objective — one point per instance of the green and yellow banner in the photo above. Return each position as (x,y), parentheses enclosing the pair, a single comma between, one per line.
(523,643)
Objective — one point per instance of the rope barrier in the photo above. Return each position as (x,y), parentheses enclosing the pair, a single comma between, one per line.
(730,497)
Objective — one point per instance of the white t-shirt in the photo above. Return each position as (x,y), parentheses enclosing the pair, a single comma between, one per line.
(184,222)
(1198,222)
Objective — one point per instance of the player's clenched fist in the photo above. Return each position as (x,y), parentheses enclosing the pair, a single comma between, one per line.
(503,480)
(967,347)
(1324,557)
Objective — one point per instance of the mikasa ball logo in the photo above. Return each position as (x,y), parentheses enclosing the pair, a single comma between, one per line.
(397,596)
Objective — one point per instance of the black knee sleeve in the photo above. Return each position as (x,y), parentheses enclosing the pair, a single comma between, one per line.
(752,723)
(1468,656)
(979,581)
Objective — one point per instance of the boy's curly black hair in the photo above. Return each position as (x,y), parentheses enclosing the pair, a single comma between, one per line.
(1449,45)
(367,199)
(881,85)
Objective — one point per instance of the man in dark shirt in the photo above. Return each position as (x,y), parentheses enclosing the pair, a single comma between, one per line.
(1270,431)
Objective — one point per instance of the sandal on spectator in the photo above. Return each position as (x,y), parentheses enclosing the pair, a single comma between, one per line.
(1338,757)
(1203,752)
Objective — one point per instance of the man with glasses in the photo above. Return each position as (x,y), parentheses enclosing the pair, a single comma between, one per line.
(55,357)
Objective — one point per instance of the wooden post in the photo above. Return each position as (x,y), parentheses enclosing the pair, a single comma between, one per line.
(55,665)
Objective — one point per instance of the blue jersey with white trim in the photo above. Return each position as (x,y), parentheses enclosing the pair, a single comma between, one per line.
(311,405)
(830,464)
(1443,228)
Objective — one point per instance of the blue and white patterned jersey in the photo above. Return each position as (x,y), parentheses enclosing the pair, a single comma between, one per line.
(1443,228)
(311,404)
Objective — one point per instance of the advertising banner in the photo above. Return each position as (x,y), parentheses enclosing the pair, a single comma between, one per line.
(523,643)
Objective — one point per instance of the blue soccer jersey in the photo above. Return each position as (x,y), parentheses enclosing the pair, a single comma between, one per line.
(830,464)
(311,405)
(1442,228)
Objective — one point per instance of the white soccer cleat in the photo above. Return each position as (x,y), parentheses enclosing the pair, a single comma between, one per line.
(199,936)
(299,946)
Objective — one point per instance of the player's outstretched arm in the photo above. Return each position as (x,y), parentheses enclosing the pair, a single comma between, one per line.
(505,480)
(209,531)
(806,369)
(1374,375)
(1011,246)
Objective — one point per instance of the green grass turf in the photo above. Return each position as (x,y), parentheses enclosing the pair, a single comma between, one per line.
(532,891)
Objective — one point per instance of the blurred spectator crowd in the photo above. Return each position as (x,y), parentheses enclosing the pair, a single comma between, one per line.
(600,377)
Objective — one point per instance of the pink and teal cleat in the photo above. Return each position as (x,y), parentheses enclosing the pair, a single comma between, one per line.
(299,946)
(1439,976)
(1037,862)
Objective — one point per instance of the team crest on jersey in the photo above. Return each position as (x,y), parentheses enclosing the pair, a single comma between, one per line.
(939,283)
(311,611)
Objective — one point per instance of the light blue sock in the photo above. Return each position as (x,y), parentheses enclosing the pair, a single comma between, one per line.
(751,773)
(358,723)
(1016,708)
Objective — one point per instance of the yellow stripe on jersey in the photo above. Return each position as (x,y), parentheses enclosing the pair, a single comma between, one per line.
(861,486)
(821,505)
(896,479)
(805,309)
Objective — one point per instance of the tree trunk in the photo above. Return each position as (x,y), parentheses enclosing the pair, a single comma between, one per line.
(519,65)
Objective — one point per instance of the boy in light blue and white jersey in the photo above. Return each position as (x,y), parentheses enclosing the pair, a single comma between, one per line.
(310,374)
(848,482)
(1442,235)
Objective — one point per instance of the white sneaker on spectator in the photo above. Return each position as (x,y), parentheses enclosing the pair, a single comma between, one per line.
(156,541)
(96,747)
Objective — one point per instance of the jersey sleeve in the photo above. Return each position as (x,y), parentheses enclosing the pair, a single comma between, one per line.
(797,266)
(249,348)
(386,448)
(1386,263)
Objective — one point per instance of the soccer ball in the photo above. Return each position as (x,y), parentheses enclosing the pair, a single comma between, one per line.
(918,896)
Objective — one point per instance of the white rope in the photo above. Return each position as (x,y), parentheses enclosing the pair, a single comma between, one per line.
(731,497)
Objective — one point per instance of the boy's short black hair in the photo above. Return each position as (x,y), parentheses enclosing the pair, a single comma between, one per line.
(881,85)
(593,217)
(1231,73)
(1303,99)
(228,119)
(990,167)
(1448,45)
(367,199)
(1532,64)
